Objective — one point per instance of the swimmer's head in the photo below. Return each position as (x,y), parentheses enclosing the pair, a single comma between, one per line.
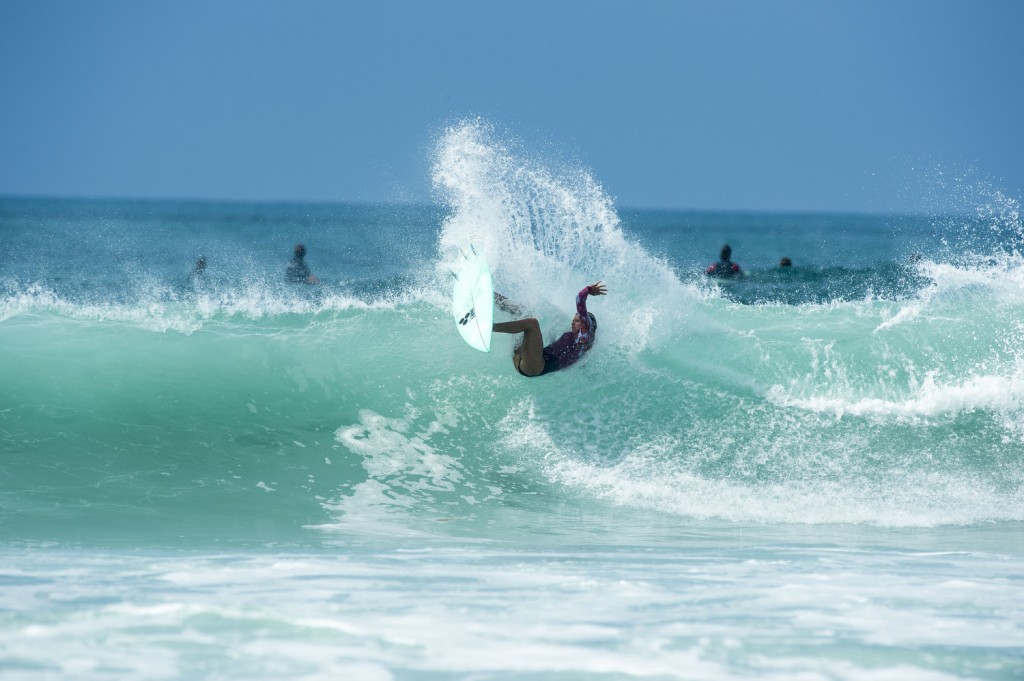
(726,252)
(300,251)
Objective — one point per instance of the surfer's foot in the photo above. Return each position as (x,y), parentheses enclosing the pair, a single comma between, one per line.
(507,305)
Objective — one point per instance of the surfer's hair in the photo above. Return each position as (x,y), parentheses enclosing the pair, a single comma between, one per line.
(593,326)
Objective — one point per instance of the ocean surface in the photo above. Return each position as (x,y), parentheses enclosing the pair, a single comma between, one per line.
(806,473)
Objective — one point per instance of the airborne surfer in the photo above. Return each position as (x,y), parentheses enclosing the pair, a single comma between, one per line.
(532,358)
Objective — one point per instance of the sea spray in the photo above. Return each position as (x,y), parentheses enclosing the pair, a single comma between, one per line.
(546,234)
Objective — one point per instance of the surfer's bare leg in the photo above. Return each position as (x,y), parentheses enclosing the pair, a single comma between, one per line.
(529,356)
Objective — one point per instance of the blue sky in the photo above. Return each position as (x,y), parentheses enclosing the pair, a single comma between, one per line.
(831,105)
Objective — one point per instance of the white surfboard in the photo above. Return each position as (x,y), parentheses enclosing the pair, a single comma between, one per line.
(473,300)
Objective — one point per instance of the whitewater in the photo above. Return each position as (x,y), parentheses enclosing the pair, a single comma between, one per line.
(812,472)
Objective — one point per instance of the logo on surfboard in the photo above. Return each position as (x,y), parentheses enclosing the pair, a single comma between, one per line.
(473,290)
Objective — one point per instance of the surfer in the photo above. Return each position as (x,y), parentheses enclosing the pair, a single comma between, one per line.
(298,270)
(531,358)
(724,267)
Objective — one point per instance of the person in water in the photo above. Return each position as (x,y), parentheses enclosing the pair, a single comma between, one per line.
(532,358)
(724,267)
(197,279)
(298,271)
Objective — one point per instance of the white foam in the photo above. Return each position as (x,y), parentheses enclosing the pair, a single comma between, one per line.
(646,480)
(404,471)
(998,393)
(663,473)
(467,610)
(161,311)
(387,449)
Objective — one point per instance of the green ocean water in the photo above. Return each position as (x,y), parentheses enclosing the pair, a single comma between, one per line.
(813,472)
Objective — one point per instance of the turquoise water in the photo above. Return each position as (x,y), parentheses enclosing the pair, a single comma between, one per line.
(807,473)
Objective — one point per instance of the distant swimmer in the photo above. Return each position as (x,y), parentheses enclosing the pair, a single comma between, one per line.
(785,261)
(724,267)
(531,358)
(298,271)
(197,278)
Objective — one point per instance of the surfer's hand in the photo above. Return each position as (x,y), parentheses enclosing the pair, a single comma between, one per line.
(598,289)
